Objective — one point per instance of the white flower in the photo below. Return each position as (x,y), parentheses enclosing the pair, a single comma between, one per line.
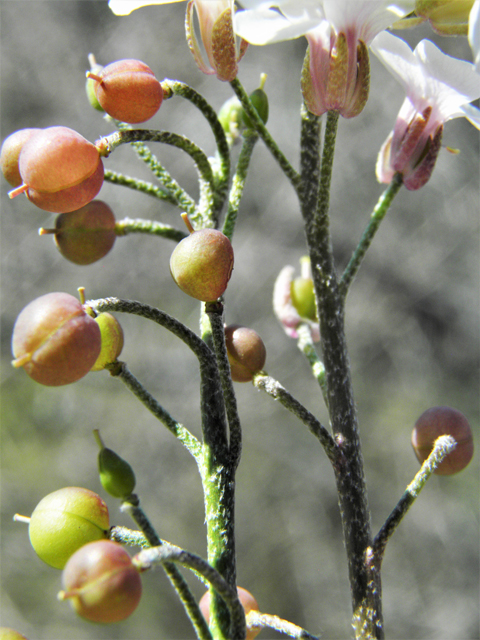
(438,88)
(125,7)
(265,22)
(474,33)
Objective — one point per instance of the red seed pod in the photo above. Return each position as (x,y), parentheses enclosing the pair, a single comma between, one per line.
(10,154)
(442,421)
(201,264)
(60,169)
(64,521)
(246,352)
(249,603)
(101,582)
(128,90)
(85,235)
(54,340)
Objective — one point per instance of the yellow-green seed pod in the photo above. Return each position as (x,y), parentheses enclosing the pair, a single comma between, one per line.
(10,634)
(116,475)
(112,340)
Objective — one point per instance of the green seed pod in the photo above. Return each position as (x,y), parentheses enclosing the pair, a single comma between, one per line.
(259,99)
(112,340)
(116,475)
(90,84)
(10,634)
(303,297)
(64,521)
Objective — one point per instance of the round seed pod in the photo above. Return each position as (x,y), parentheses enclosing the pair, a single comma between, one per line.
(64,521)
(442,421)
(87,234)
(246,352)
(112,340)
(101,582)
(55,341)
(201,264)
(249,603)
(128,91)
(10,634)
(60,169)
(10,154)
(303,297)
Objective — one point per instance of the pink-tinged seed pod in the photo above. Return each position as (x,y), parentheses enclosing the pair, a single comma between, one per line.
(128,90)
(10,154)
(442,421)
(201,264)
(55,340)
(60,169)
(249,603)
(85,235)
(101,582)
(64,521)
(246,352)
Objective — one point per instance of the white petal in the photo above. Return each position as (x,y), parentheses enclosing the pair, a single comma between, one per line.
(474,33)
(125,7)
(472,114)
(395,54)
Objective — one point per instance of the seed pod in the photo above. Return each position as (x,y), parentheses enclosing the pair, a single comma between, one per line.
(101,582)
(128,90)
(64,521)
(90,84)
(116,475)
(55,341)
(259,99)
(112,340)
(10,634)
(85,235)
(246,352)
(60,169)
(202,263)
(249,603)
(303,297)
(10,154)
(442,421)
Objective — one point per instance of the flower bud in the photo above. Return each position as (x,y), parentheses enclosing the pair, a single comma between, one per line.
(64,521)
(442,421)
(246,352)
(55,340)
(101,582)
(112,340)
(116,475)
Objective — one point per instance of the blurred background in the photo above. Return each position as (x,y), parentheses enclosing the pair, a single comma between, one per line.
(413,335)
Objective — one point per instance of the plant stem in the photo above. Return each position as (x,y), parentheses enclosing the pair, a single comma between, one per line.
(139,185)
(349,473)
(376,218)
(137,225)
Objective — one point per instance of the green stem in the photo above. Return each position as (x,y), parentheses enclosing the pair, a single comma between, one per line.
(274,389)
(238,183)
(376,218)
(222,176)
(263,132)
(139,185)
(257,620)
(307,347)
(129,537)
(349,472)
(132,507)
(127,225)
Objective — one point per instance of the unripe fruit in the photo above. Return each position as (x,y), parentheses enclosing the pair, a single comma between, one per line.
(441,421)
(249,603)
(60,169)
(116,475)
(101,582)
(201,264)
(85,235)
(246,352)
(10,634)
(91,84)
(128,91)
(55,341)
(10,154)
(112,340)
(259,99)
(303,297)
(64,521)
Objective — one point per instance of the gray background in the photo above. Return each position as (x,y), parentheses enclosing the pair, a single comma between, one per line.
(412,321)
